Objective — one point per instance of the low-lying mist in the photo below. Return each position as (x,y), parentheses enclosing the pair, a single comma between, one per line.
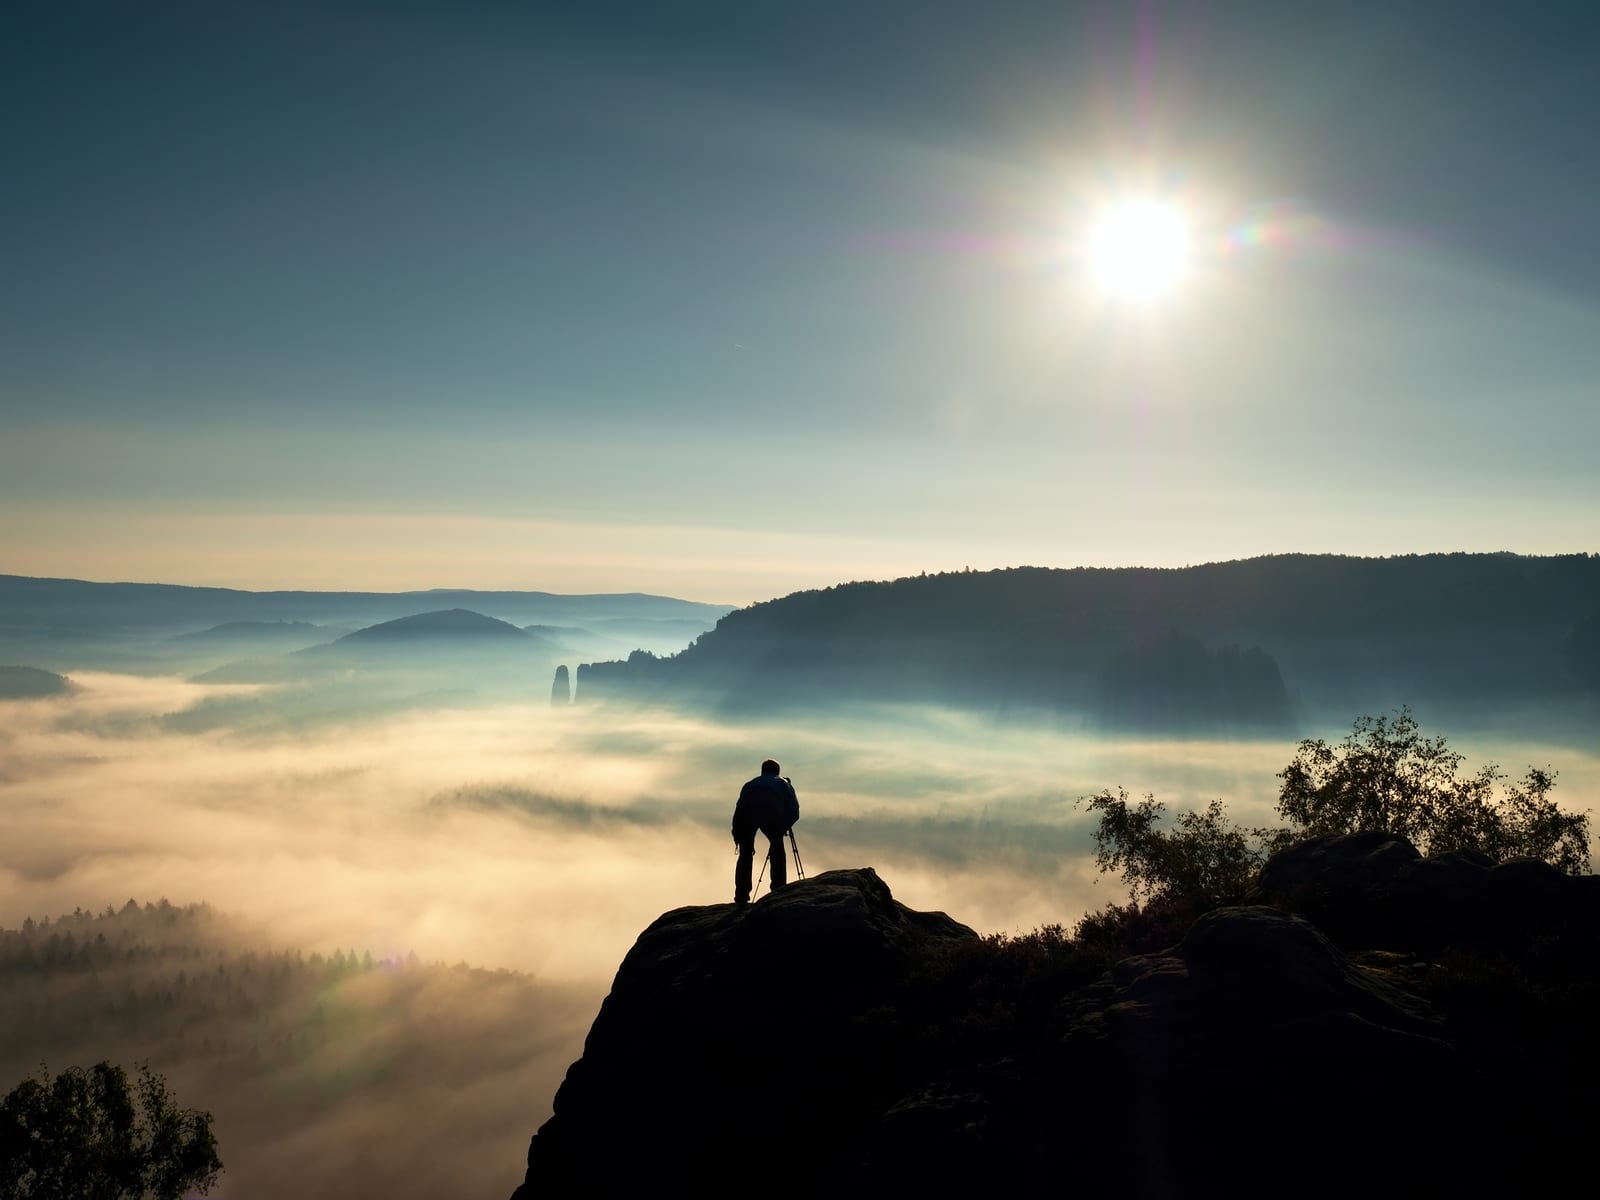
(516,838)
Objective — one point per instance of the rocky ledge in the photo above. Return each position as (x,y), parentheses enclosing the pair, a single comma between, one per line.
(829,1038)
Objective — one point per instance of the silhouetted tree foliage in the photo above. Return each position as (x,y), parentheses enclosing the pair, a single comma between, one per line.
(975,993)
(88,1134)
(1385,775)
(1204,859)
(1118,930)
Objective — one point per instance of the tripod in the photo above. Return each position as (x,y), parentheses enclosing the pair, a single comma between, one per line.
(799,870)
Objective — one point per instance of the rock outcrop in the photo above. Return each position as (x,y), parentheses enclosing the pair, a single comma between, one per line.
(1374,891)
(561,689)
(828,1039)
(1255,1031)
(732,1037)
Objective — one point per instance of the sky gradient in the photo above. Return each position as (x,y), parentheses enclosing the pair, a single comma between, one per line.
(726,299)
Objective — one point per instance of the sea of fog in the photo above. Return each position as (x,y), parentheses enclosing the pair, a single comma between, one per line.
(540,841)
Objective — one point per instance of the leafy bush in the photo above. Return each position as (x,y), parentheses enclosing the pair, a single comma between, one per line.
(1118,930)
(974,993)
(1385,775)
(1204,859)
(88,1135)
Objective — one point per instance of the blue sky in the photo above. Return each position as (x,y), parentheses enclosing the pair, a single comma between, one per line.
(726,299)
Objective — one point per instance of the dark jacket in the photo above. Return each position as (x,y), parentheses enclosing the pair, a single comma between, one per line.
(767,803)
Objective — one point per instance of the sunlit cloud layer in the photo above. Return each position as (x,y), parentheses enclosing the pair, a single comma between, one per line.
(523,836)
(543,839)
(538,840)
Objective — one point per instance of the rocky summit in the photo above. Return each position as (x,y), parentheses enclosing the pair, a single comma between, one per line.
(732,1035)
(828,1039)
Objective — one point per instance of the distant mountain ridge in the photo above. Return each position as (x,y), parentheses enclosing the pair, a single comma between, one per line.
(1247,644)
(68,625)
(68,603)
(260,630)
(454,644)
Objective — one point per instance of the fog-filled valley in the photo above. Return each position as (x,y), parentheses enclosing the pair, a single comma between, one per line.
(360,896)
(532,843)
(315,1067)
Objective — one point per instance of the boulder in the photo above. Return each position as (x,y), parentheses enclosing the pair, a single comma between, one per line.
(1375,891)
(733,1032)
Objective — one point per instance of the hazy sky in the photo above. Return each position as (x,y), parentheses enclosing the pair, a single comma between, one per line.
(725,299)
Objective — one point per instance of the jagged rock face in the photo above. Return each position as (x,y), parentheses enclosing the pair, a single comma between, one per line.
(561,689)
(729,1042)
(1254,1026)
(1252,1047)
(774,1048)
(1373,890)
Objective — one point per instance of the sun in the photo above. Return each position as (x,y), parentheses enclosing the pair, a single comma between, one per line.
(1138,249)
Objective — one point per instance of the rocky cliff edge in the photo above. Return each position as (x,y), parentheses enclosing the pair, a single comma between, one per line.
(828,1038)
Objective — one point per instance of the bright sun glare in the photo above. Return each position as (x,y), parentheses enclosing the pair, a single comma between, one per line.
(1139,249)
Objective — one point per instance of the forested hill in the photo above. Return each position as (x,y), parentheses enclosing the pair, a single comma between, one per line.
(314,1066)
(1256,642)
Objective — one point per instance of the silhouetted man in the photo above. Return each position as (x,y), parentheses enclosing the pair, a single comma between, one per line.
(767,803)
